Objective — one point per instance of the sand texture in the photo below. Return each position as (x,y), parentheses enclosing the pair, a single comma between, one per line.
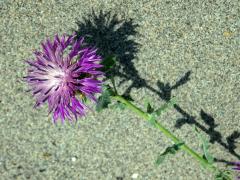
(186,49)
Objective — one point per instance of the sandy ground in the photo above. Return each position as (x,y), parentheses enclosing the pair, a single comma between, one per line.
(187,49)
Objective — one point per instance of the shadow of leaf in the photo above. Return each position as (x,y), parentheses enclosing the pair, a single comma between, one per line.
(115,36)
(215,136)
(231,140)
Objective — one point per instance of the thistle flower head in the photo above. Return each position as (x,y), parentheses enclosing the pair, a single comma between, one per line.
(63,69)
(237,166)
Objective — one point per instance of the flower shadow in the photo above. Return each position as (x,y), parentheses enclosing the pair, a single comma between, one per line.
(112,36)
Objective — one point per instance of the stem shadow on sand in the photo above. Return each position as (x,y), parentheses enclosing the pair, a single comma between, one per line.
(113,36)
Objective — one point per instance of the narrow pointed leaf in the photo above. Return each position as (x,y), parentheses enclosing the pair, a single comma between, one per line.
(168,151)
(160,159)
(119,105)
(224,175)
(148,106)
(165,107)
(104,100)
(205,147)
(152,120)
(108,63)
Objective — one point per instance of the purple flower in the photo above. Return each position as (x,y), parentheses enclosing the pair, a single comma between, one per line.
(236,167)
(64,69)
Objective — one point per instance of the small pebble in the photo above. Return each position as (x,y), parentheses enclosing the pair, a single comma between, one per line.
(134,176)
(74,159)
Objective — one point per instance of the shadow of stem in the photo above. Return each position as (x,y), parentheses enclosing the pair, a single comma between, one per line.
(113,36)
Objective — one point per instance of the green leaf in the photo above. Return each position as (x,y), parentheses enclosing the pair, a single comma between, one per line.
(165,107)
(152,120)
(119,105)
(108,63)
(224,175)
(104,100)
(160,159)
(148,106)
(205,147)
(168,151)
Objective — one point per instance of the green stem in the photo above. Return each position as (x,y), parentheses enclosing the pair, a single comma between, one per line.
(166,132)
(114,86)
